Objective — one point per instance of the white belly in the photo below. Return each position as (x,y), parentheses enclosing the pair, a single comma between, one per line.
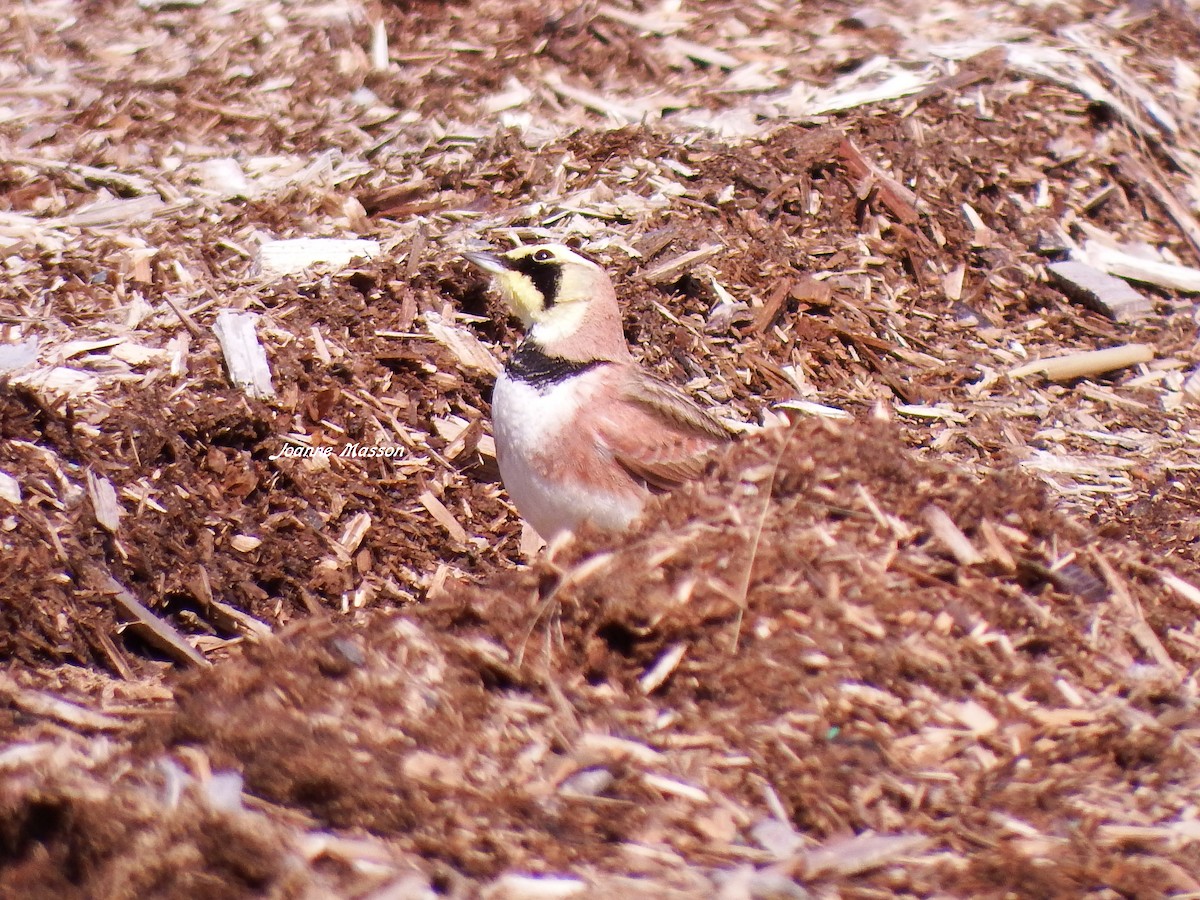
(528,424)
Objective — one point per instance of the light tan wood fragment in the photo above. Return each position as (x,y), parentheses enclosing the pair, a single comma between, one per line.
(944,529)
(1086,363)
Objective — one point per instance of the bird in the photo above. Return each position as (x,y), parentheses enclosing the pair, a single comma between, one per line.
(583,433)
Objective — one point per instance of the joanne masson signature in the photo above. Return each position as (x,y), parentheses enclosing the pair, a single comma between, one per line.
(346,451)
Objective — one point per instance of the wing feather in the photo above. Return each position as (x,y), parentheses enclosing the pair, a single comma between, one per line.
(663,438)
(673,406)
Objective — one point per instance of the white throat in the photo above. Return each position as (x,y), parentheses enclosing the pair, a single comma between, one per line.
(561,323)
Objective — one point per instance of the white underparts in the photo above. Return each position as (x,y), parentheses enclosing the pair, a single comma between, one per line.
(533,426)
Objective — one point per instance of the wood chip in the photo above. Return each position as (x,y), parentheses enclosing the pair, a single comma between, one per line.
(814,409)
(899,200)
(153,630)
(1062,718)
(245,358)
(245,543)
(1187,830)
(1086,363)
(14,357)
(673,269)
(1096,290)
(864,86)
(622,112)
(119,212)
(655,676)
(224,178)
(354,532)
(443,516)
(379,46)
(1184,589)
(860,853)
(767,314)
(122,181)
(10,489)
(944,529)
(1191,386)
(616,749)
(1177,209)
(39,703)
(919,411)
(58,380)
(974,716)
(468,350)
(188,322)
(1138,268)
(431,768)
(224,616)
(675,788)
(996,552)
(984,235)
(533,887)
(1141,632)
(104,502)
(319,345)
(952,284)
(291,257)
(701,53)
(415,251)
(661,20)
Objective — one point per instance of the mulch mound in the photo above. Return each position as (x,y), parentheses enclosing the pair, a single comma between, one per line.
(830,663)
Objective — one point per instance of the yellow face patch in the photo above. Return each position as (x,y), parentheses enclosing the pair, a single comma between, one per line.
(525,300)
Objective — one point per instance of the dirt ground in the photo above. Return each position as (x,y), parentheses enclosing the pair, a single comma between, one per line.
(929,629)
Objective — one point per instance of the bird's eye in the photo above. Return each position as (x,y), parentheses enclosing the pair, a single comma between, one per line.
(543,255)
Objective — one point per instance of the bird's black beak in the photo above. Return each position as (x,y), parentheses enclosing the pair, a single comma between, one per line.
(488,262)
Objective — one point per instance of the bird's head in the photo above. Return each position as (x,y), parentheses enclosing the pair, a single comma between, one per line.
(549,287)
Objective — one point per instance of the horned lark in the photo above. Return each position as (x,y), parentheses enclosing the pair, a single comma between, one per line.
(583,434)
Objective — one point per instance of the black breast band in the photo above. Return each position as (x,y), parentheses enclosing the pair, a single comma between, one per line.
(531,365)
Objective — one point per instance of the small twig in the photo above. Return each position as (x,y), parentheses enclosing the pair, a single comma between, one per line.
(188,322)
(1141,632)
(1086,363)
(899,200)
(744,589)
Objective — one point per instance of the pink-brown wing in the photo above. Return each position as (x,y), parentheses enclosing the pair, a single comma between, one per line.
(658,434)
